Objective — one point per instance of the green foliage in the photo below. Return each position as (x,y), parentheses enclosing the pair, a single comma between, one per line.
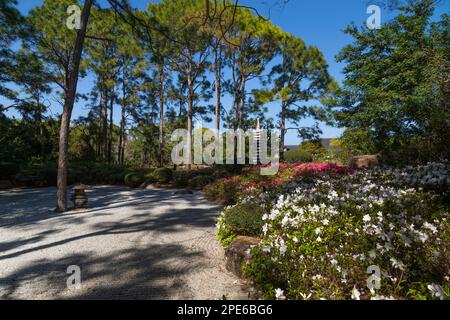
(395,86)
(8,170)
(37,174)
(297,155)
(163,175)
(224,192)
(172,38)
(11,23)
(26,139)
(355,142)
(55,42)
(134,179)
(229,169)
(200,181)
(314,147)
(89,173)
(299,65)
(321,235)
(245,219)
(225,234)
(181,178)
(96,173)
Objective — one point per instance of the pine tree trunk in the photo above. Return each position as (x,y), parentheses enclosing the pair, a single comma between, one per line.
(111,126)
(282,128)
(161,117)
(105,125)
(72,80)
(121,135)
(241,103)
(122,118)
(99,129)
(217,70)
(236,97)
(189,118)
(180,100)
(124,139)
(38,117)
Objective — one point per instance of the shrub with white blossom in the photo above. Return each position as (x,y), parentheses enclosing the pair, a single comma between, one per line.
(322,233)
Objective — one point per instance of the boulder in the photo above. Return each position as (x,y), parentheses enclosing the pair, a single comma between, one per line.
(367,161)
(238,252)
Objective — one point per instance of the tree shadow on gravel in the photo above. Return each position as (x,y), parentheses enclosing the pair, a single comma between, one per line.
(23,208)
(170,222)
(153,272)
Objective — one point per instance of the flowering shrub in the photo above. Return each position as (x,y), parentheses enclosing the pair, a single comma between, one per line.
(322,233)
(251,183)
(223,190)
(243,219)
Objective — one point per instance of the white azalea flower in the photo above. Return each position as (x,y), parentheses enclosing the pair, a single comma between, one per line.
(378,297)
(265,249)
(279,294)
(306,297)
(356,294)
(436,290)
(397,264)
(430,227)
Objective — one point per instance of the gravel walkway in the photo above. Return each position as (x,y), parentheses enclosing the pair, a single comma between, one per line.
(130,244)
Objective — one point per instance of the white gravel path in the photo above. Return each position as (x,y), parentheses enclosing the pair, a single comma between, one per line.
(129,244)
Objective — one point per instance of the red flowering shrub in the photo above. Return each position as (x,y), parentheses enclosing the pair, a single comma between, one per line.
(251,182)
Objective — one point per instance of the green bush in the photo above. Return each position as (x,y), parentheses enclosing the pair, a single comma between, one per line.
(8,170)
(40,174)
(134,179)
(95,173)
(37,175)
(233,169)
(220,173)
(297,155)
(245,219)
(149,178)
(356,142)
(225,191)
(320,237)
(314,147)
(181,178)
(49,175)
(199,182)
(163,175)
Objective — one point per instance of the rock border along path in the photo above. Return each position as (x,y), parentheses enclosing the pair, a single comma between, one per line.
(129,244)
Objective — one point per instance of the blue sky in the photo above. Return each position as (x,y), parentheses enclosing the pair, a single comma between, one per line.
(318,22)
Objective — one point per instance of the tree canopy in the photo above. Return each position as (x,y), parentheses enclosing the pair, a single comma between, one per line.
(396,86)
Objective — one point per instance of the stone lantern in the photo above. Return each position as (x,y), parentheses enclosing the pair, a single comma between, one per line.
(79,197)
